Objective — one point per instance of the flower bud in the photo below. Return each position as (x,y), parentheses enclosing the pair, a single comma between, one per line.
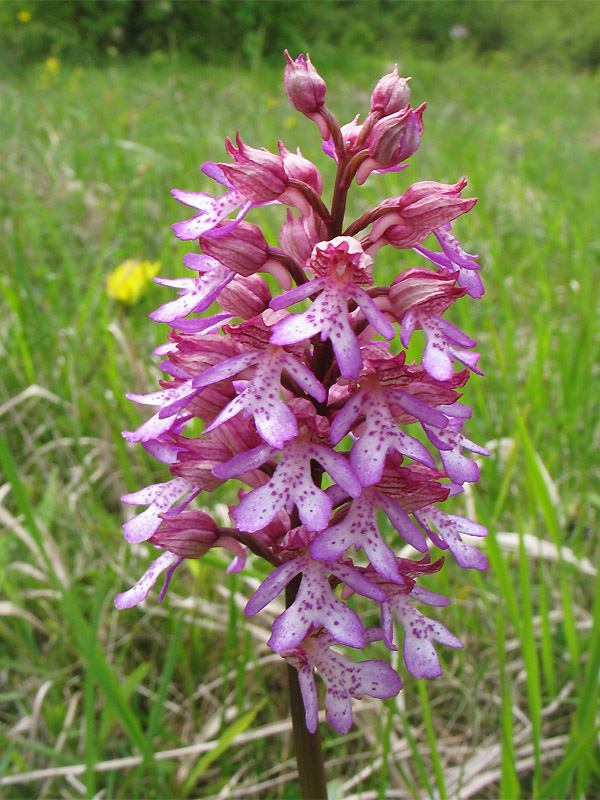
(300,168)
(245,297)
(244,249)
(411,138)
(196,352)
(197,458)
(304,87)
(385,140)
(258,174)
(190,534)
(403,237)
(298,238)
(391,93)
(423,289)
(424,206)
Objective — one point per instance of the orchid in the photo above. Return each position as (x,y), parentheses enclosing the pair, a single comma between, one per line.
(307,403)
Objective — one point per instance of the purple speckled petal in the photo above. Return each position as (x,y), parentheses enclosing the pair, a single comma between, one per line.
(284,490)
(454,335)
(212,211)
(453,250)
(428,597)
(449,527)
(437,362)
(244,462)
(380,436)
(231,410)
(442,347)
(328,316)
(358,528)
(275,423)
(418,408)
(160,497)
(469,279)
(346,679)
(225,228)
(226,369)
(450,442)
(309,696)
(198,295)
(356,581)
(459,468)
(201,262)
(291,485)
(177,405)
(198,200)
(297,294)
(372,314)
(153,428)
(205,325)
(214,171)
(419,635)
(274,584)
(303,376)
(140,591)
(260,397)
(163,451)
(346,417)
(161,397)
(337,466)
(409,323)
(316,605)
(403,523)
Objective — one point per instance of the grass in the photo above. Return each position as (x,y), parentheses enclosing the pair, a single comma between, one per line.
(166,700)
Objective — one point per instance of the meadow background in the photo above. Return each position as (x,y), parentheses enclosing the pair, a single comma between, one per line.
(105,106)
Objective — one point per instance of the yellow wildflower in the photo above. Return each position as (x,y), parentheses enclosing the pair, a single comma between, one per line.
(24,16)
(129,280)
(52,65)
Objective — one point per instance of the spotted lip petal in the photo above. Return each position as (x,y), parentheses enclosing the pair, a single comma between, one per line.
(345,679)
(449,527)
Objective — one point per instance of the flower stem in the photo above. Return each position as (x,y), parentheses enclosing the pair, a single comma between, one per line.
(309,751)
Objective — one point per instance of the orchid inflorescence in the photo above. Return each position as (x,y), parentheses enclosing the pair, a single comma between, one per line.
(309,408)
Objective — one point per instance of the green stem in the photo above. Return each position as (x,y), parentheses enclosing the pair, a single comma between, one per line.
(309,751)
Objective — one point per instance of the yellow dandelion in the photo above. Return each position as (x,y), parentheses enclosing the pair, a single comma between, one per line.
(52,65)
(129,280)
(24,16)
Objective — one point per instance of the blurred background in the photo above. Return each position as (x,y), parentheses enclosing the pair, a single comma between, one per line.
(106,106)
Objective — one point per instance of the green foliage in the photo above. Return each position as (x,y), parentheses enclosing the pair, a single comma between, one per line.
(565,33)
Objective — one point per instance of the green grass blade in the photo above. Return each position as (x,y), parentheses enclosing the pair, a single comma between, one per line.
(385,749)
(531,664)
(509,780)
(167,671)
(432,739)
(226,738)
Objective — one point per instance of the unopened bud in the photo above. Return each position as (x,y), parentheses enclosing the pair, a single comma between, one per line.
(423,289)
(244,249)
(197,458)
(304,87)
(190,534)
(297,239)
(385,140)
(391,93)
(300,168)
(258,174)
(245,297)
